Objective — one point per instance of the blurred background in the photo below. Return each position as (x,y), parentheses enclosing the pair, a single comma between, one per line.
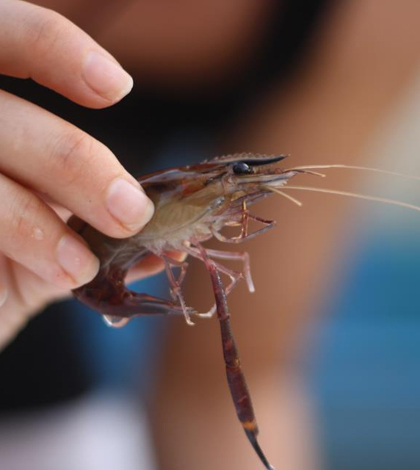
(330,341)
(364,367)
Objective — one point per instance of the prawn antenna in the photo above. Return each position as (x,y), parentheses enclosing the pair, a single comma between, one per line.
(353,167)
(354,195)
(287,196)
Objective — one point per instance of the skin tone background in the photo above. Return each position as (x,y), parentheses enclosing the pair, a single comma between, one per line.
(361,61)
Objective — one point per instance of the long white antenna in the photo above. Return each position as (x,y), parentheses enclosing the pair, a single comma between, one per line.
(287,196)
(354,167)
(355,195)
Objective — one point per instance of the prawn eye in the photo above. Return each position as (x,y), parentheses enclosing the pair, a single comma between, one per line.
(241,168)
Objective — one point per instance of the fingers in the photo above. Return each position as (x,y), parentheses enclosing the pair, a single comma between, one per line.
(34,236)
(49,155)
(41,44)
(3,295)
(23,298)
(43,152)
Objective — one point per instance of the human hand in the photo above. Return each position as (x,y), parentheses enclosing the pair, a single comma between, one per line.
(49,168)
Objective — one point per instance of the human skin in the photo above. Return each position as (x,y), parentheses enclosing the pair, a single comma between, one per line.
(41,158)
(68,171)
(359,64)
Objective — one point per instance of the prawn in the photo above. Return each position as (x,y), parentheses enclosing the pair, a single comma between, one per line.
(193,204)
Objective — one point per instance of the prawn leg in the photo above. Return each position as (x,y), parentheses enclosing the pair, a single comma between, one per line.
(234,276)
(244,235)
(236,256)
(108,294)
(175,284)
(235,376)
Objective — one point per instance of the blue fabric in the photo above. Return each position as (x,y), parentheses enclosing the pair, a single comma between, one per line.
(367,377)
(120,358)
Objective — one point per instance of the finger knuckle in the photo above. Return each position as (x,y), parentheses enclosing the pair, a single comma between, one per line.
(25,211)
(43,31)
(74,156)
(70,155)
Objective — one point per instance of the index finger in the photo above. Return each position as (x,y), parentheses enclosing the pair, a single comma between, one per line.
(41,44)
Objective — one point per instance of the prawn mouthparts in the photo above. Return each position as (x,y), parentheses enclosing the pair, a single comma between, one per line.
(193,204)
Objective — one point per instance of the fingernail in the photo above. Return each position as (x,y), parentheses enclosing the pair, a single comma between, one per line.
(106,77)
(3,297)
(76,259)
(129,205)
